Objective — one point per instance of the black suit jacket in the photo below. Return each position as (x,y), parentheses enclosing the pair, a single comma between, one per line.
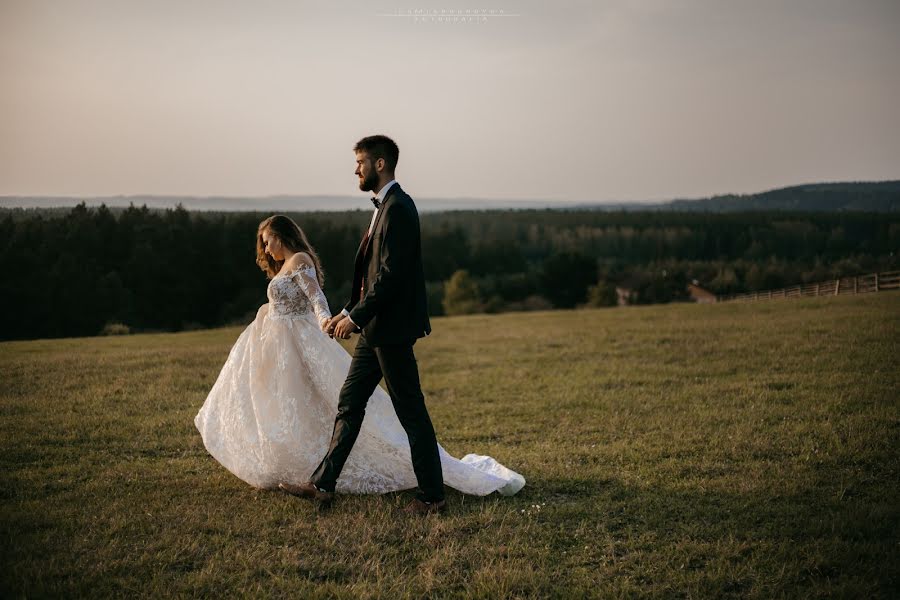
(394,309)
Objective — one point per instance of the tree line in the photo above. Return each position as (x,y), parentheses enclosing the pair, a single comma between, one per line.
(84,270)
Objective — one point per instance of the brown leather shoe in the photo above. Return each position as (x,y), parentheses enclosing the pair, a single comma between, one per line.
(308,490)
(417,507)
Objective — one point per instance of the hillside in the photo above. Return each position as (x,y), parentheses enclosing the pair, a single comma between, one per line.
(733,450)
(882,196)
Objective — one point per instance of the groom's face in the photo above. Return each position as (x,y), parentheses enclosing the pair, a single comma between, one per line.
(366,171)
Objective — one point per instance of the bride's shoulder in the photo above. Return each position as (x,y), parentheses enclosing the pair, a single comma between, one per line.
(300,260)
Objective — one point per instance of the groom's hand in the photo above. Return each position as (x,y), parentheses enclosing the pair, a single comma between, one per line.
(344,328)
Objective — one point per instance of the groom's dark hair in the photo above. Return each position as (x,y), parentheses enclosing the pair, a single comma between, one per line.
(380,146)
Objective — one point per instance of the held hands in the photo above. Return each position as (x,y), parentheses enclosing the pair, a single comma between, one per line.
(329,324)
(338,326)
(344,328)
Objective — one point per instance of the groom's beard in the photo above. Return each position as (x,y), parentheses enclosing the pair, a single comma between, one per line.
(369,183)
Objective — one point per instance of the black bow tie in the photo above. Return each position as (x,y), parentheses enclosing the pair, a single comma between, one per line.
(376,201)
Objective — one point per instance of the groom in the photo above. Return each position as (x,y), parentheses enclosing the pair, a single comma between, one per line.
(388,307)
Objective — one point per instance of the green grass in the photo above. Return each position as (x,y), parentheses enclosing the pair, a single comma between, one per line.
(735,450)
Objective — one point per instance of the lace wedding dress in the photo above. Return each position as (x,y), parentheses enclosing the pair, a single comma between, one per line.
(269,416)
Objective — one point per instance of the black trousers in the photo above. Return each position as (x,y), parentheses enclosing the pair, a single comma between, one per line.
(397,364)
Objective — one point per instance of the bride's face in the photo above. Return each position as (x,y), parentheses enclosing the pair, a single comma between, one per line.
(274,247)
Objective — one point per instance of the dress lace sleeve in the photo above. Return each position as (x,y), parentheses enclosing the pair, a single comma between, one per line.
(305,277)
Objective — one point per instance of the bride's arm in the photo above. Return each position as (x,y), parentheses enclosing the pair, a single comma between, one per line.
(304,273)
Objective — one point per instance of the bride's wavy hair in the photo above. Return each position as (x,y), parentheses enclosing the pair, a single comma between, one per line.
(292,238)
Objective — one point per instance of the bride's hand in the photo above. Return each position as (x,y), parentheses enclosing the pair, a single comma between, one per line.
(332,323)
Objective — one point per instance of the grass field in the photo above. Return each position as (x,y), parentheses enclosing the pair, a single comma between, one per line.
(734,450)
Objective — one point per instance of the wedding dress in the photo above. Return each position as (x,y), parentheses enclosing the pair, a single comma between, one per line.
(269,416)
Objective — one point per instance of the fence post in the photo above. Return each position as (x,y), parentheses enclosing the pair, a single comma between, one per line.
(856,284)
(876,282)
(817,289)
(837,286)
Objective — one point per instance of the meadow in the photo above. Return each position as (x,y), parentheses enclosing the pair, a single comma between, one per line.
(672,451)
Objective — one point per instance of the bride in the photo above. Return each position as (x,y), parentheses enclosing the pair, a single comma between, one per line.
(268,417)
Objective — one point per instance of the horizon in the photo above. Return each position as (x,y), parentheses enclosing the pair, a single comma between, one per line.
(543,202)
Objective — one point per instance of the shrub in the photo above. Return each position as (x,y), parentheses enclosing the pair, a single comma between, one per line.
(115,329)
(602,294)
(461,295)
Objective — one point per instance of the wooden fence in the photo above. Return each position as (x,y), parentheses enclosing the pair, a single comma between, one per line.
(860,284)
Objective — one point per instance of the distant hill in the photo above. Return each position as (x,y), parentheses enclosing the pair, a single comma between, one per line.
(881,196)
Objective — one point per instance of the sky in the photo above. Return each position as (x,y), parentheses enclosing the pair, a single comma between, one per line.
(594,101)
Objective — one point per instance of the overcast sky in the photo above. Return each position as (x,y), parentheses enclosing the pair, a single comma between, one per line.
(572,101)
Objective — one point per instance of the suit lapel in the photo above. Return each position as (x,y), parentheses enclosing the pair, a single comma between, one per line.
(389,197)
